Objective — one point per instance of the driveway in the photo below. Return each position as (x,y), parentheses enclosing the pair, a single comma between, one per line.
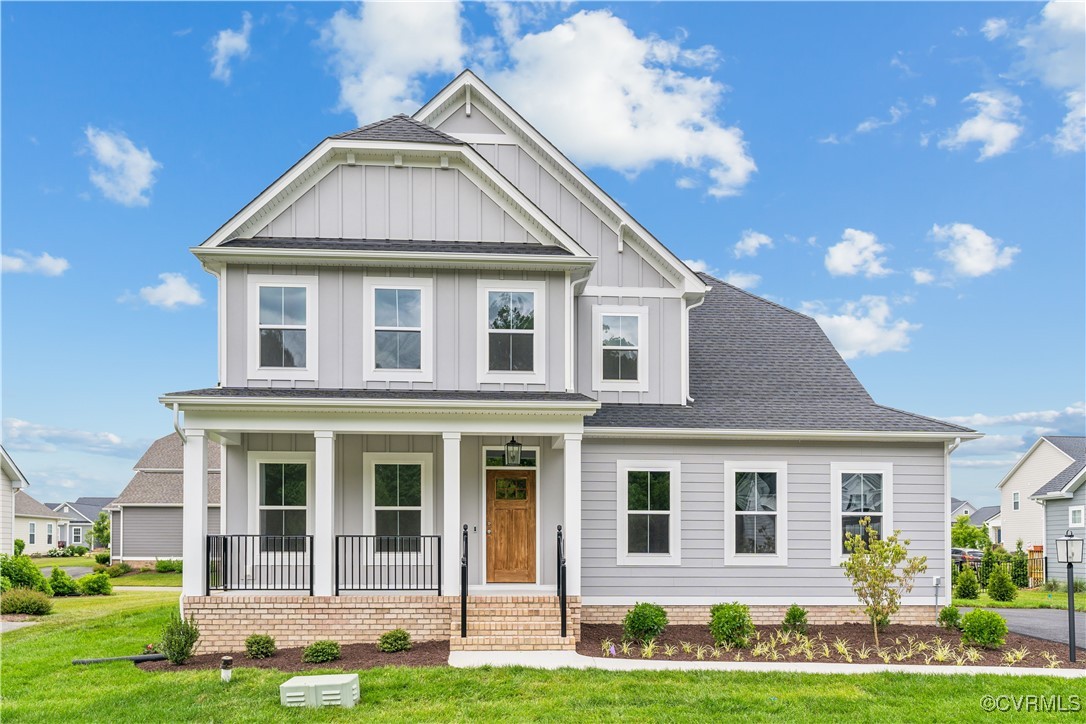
(74,571)
(1042,623)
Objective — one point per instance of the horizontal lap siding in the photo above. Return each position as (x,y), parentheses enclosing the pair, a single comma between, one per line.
(1057,523)
(156,532)
(918,511)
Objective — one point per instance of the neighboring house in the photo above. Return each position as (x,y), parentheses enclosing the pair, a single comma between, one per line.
(81,514)
(989,516)
(1021,517)
(35,524)
(437,329)
(11,481)
(1063,499)
(146,516)
(960,507)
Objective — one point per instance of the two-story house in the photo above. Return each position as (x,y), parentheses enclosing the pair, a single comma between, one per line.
(452,369)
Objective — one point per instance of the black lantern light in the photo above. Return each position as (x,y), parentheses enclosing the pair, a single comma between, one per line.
(512,452)
(1069,551)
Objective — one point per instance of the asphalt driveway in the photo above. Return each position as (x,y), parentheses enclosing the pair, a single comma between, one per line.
(73,571)
(1042,623)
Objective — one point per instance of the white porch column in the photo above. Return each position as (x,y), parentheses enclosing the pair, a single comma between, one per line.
(451,523)
(571,518)
(323,517)
(194,515)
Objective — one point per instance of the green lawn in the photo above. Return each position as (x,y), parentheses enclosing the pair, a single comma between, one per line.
(40,684)
(149,578)
(1026,599)
(47,562)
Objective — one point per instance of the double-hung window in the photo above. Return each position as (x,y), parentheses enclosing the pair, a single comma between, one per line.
(399,334)
(619,360)
(1016,501)
(33,533)
(512,339)
(756,528)
(77,535)
(49,533)
(859,491)
(1075,515)
(280,489)
(649,516)
(398,488)
(282,317)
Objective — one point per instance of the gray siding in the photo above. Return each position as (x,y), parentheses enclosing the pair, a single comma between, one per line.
(1056,526)
(918,511)
(154,532)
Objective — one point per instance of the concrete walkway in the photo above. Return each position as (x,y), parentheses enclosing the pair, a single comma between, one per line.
(119,587)
(1042,623)
(573,660)
(6,626)
(73,571)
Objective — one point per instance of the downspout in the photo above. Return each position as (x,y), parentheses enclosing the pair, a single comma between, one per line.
(571,320)
(177,422)
(685,346)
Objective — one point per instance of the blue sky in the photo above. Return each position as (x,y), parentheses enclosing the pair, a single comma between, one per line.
(910,174)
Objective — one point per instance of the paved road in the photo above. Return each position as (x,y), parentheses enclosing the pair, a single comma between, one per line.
(73,571)
(1043,623)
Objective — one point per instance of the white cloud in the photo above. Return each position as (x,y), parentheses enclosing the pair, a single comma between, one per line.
(636,105)
(685,182)
(994,28)
(229,44)
(898,62)
(700,265)
(1070,416)
(857,252)
(751,242)
(971,252)
(831,139)
(743,280)
(23,435)
(897,112)
(1054,51)
(929,101)
(922,276)
(125,173)
(26,263)
(381,51)
(174,291)
(864,327)
(994,126)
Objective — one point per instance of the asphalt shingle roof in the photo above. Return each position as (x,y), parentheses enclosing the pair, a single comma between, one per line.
(30,508)
(755,365)
(399,128)
(89,510)
(159,479)
(440,247)
(1073,445)
(983,514)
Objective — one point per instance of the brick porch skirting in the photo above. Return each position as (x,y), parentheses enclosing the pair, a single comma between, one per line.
(766,615)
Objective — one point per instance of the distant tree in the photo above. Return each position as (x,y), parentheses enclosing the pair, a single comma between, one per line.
(963,534)
(100,530)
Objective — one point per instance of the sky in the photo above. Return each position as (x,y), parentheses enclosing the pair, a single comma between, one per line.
(911,175)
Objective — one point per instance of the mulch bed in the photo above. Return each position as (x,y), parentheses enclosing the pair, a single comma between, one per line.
(857,636)
(353,657)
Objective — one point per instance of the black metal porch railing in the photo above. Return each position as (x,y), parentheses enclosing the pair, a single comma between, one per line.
(562,578)
(388,563)
(464,583)
(259,563)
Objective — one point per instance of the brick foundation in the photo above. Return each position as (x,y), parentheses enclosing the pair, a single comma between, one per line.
(766,615)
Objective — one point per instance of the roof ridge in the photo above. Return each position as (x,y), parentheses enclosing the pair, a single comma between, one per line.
(401,117)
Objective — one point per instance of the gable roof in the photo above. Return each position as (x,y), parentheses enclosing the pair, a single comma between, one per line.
(11,470)
(159,479)
(83,512)
(399,128)
(758,366)
(168,454)
(1074,446)
(27,507)
(955,503)
(983,515)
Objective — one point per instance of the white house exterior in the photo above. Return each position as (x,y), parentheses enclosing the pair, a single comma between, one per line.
(1063,499)
(413,294)
(1021,516)
(36,525)
(11,480)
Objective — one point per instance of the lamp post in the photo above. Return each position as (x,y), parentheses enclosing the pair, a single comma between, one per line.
(1069,551)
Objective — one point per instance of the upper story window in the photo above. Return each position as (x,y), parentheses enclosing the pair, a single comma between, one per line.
(512,339)
(619,335)
(399,329)
(1016,501)
(283,327)
(648,523)
(859,491)
(756,529)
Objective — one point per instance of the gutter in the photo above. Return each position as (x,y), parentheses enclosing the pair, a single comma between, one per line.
(716,434)
(517,406)
(177,420)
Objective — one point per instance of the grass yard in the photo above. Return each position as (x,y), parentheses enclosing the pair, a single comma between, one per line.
(147,578)
(74,561)
(39,684)
(1027,599)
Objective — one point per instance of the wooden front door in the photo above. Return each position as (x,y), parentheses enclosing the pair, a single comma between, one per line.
(510,526)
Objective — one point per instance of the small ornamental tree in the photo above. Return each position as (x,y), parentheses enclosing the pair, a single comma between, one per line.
(100,530)
(1020,566)
(1000,586)
(880,571)
(967,588)
(988,563)
(964,534)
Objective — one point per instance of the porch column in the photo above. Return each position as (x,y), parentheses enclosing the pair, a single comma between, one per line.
(451,523)
(571,518)
(194,514)
(323,520)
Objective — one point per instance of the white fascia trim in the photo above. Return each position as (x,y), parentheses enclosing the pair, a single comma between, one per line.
(622,555)
(405,406)
(632,292)
(441,106)
(731,558)
(837,469)
(538,375)
(393,259)
(255,458)
(370,460)
(11,470)
(252,333)
(425,286)
(829,435)
(1023,459)
(641,384)
(913,600)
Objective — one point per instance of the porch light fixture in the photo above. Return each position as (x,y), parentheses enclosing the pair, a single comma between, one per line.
(512,452)
(1069,551)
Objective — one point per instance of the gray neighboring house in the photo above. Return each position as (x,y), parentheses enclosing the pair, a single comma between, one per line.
(989,516)
(961,507)
(145,519)
(1063,498)
(80,515)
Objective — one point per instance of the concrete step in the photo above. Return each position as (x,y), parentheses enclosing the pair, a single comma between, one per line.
(512,643)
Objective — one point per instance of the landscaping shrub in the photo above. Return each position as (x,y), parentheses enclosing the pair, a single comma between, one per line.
(19,545)
(643,622)
(73,551)
(24,600)
(1080,586)
(984,628)
(968,588)
(988,563)
(100,568)
(730,623)
(118,569)
(5,584)
(795,619)
(168,565)
(95,584)
(1000,586)
(950,618)
(22,573)
(102,558)
(179,638)
(319,652)
(1020,567)
(395,640)
(62,584)
(1051,586)
(56,553)
(260,646)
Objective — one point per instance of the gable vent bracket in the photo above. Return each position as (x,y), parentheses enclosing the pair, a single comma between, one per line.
(467,101)
(350,159)
(444,162)
(397,160)
(621,228)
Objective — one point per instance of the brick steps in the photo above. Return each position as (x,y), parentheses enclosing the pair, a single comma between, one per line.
(511,623)
(512,643)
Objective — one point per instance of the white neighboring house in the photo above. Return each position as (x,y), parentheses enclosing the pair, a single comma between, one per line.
(989,516)
(36,525)
(1063,498)
(1021,516)
(11,480)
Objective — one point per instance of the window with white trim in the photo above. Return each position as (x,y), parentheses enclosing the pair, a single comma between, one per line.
(77,535)
(619,361)
(282,504)
(32,533)
(756,528)
(49,533)
(1075,516)
(398,494)
(399,329)
(649,516)
(511,344)
(282,319)
(1016,501)
(858,491)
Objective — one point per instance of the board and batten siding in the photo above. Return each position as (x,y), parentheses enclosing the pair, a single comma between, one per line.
(919,500)
(1057,523)
(149,532)
(7,514)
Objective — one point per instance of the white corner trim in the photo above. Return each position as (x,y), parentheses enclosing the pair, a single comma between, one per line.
(254,461)
(622,555)
(731,558)
(370,372)
(252,332)
(641,384)
(538,374)
(839,469)
(369,497)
